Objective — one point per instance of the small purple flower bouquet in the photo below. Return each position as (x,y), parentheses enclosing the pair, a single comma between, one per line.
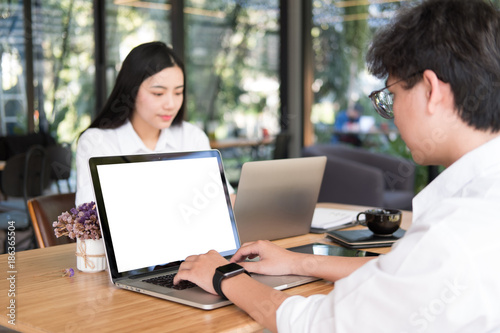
(80,222)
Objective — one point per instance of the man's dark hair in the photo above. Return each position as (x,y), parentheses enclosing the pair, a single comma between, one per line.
(142,62)
(457,39)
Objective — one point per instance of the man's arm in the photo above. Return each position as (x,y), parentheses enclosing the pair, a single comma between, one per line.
(260,301)
(275,260)
(255,298)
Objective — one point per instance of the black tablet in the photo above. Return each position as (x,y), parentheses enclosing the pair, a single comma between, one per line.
(364,238)
(331,250)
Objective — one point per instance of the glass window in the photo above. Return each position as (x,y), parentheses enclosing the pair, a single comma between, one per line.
(341,110)
(63,66)
(232,51)
(232,61)
(13,108)
(130,23)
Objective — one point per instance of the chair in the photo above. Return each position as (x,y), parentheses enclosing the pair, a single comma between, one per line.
(360,177)
(281,146)
(59,159)
(23,177)
(43,211)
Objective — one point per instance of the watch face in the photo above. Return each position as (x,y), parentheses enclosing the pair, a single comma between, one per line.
(229,268)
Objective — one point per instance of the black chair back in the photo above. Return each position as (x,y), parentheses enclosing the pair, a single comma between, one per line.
(60,158)
(25,175)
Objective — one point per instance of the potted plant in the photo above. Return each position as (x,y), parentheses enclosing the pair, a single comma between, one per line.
(82,223)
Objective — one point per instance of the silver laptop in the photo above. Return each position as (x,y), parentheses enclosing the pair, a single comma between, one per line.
(276,198)
(157,209)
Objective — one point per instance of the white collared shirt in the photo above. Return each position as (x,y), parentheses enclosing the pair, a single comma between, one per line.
(124,141)
(442,276)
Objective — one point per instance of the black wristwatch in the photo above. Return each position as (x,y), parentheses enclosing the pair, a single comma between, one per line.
(224,272)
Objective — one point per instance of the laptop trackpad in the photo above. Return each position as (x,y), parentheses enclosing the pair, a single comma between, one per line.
(281,282)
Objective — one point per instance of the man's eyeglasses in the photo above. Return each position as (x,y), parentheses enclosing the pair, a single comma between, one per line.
(382,100)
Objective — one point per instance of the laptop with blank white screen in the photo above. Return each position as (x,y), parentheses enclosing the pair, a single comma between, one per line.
(157,209)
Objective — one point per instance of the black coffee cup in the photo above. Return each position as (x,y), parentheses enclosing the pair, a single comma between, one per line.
(382,222)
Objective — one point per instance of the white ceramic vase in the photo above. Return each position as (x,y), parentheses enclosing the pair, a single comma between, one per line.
(90,256)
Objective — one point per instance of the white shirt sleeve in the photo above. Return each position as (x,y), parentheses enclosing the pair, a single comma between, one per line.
(300,314)
(93,142)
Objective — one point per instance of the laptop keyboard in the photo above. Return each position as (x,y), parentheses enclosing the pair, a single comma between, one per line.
(168,281)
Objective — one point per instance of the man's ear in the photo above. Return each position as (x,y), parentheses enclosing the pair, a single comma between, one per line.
(437,92)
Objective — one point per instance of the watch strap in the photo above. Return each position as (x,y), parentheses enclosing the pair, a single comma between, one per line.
(217,281)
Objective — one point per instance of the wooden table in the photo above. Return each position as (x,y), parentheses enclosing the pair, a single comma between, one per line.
(88,302)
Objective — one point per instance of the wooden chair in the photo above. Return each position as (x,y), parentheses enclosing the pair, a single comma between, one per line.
(44,210)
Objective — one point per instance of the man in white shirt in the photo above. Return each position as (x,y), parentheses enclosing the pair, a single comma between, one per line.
(442,63)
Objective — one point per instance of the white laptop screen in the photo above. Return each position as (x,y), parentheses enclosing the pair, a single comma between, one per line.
(164,210)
